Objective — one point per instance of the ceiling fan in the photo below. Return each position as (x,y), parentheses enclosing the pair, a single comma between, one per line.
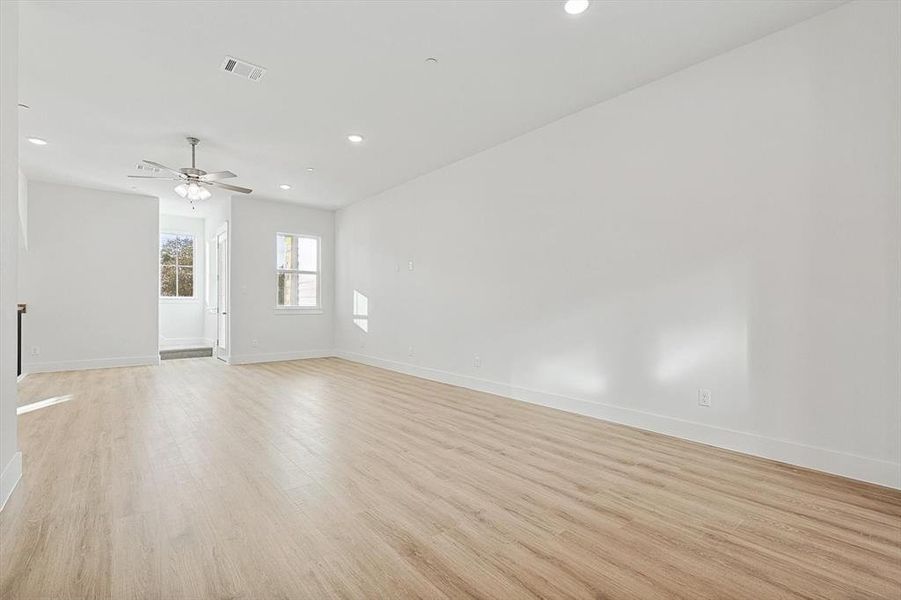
(193,182)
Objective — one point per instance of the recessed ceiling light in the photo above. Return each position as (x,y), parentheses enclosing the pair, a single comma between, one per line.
(285,186)
(356,138)
(431,60)
(575,7)
(310,169)
(23,105)
(37,141)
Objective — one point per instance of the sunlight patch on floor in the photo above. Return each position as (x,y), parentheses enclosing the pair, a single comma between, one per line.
(43,404)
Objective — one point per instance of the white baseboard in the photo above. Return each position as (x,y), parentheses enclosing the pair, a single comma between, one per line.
(10,477)
(246,359)
(178,343)
(863,468)
(92,363)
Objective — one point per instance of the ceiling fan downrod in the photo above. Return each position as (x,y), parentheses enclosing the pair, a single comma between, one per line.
(193,141)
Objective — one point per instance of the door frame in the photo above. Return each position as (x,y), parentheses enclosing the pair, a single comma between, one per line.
(223,318)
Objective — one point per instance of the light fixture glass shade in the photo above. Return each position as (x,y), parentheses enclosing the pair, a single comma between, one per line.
(192,191)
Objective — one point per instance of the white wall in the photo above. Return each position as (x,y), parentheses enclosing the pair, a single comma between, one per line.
(733,226)
(181,319)
(90,278)
(259,332)
(10,457)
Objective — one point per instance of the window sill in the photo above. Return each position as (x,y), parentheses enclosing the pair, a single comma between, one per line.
(177,300)
(297,311)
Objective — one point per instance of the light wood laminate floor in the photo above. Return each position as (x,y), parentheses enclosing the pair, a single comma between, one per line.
(327,479)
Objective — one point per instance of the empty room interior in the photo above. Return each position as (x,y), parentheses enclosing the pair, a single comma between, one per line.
(551,299)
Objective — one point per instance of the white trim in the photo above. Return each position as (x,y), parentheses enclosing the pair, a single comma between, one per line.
(291,310)
(93,363)
(246,359)
(179,300)
(21,377)
(12,473)
(179,343)
(863,468)
(223,352)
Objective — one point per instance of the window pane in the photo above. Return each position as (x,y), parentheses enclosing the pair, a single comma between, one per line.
(309,254)
(287,292)
(285,252)
(186,282)
(307,290)
(168,248)
(185,250)
(167,280)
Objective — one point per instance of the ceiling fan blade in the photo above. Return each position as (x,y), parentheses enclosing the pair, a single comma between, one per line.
(155,177)
(178,173)
(233,188)
(216,176)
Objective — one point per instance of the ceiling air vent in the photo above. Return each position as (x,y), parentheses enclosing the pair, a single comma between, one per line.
(243,69)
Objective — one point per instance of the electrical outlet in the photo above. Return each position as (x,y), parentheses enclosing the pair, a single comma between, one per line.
(255,343)
(477,361)
(35,350)
(704,397)
(409,265)
(410,351)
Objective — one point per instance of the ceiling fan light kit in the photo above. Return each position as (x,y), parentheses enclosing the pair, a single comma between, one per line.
(192,191)
(194,183)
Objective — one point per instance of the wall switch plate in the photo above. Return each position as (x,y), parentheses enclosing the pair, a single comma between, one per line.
(477,361)
(704,397)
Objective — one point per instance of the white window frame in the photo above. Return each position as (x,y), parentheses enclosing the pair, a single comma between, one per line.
(159,259)
(294,309)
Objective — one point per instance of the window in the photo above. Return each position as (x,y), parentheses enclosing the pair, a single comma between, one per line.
(176,265)
(297,271)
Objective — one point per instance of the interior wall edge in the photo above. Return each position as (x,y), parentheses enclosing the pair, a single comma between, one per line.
(861,468)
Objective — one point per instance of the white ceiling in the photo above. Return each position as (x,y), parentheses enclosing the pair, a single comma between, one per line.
(111,83)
